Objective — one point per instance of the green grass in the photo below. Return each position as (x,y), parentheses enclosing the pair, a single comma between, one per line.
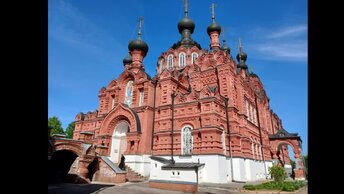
(272,185)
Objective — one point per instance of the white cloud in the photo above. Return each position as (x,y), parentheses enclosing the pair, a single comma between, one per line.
(279,44)
(282,51)
(289,31)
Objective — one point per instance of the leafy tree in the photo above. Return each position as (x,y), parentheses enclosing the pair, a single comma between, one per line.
(277,173)
(56,125)
(70,129)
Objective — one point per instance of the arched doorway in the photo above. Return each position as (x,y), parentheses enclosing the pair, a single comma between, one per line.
(59,165)
(286,158)
(119,141)
(93,167)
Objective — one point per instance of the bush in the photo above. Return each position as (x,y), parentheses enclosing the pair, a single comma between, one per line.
(288,187)
(278,174)
(249,187)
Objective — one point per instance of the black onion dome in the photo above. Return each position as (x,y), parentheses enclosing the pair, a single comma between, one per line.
(186,23)
(226,48)
(138,45)
(127,59)
(242,65)
(214,27)
(241,55)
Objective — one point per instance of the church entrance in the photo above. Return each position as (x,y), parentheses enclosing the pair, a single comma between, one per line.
(119,141)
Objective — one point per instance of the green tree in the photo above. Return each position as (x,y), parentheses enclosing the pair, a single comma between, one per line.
(56,125)
(70,129)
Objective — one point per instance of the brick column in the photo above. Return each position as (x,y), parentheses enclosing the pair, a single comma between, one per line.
(299,168)
(83,164)
(274,157)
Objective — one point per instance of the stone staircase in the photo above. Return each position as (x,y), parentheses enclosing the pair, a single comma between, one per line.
(133,176)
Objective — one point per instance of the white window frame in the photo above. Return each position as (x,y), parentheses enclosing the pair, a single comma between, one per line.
(182,140)
(182,61)
(170,61)
(192,57)
(128,101)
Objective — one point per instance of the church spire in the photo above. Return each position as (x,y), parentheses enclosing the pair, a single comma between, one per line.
(214,30)
(224,46)
(186,8)
(186,26)
(241,57)
(138,48)
(140,28)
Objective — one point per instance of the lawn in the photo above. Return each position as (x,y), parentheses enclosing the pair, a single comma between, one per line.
(272,185)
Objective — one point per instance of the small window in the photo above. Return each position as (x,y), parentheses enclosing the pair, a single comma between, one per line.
(181,59)
(129,93)
(194,57)
(162,65)
(187,141)
(141,98)
(170,61)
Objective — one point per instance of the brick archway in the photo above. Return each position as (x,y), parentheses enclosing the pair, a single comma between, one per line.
(283,137)
(120,113)
(85,154)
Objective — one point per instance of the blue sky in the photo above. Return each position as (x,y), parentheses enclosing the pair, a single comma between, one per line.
(88,39)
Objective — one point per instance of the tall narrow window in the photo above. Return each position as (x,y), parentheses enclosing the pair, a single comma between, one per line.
(129,93)
(113,101)
(247,111)
(170,61)
(251,113)
(255,116)
(252,148)
(186,141)
(141,97)
(162,65)
(223,141)
(181,59)
(194,57)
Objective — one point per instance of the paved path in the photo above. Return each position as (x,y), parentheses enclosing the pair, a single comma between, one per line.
(143,188)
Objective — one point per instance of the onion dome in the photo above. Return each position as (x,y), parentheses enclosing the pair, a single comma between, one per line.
(241,57)
(127,59)
(225,47)
(214,27)
(186,23)
(138,45)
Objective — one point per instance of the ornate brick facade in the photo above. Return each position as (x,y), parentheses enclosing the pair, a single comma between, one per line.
(201,81)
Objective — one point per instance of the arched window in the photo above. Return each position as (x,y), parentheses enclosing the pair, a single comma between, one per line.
(162,65)
(186,140)
(252,148)
(194,57)
(181,59)
(170,61)
(128,93)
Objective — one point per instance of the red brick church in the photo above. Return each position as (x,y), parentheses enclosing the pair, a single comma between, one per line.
(203,105)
